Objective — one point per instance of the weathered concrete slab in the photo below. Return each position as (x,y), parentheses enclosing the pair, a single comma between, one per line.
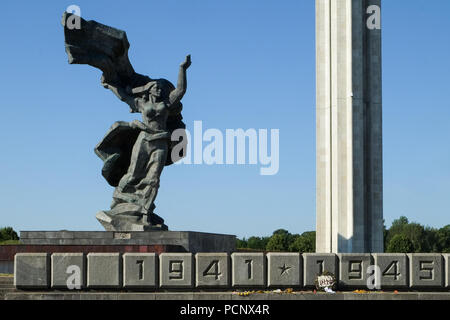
(176,270)
(104,270)
(394,269)
(284,270)
(190,241)
(426,271)
(32,270)
(248,270)
(68,271)
(212,270)
(317,263)
(353,269)
(140,270)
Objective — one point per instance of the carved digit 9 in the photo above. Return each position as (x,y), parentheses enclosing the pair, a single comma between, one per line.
(176,270)
(355,267)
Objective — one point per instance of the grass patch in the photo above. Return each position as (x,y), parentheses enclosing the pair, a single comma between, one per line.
(9,242)
(9,275)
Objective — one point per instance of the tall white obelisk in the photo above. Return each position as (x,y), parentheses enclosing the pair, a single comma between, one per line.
(349,126)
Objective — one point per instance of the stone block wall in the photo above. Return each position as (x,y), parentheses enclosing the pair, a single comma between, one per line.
(224,271)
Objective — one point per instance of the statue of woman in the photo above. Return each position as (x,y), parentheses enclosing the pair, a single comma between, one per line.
(136,190)
(134,153)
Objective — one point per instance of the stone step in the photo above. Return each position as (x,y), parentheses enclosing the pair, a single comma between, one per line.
(6,282)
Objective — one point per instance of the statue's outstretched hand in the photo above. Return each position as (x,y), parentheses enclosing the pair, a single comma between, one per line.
(187,62)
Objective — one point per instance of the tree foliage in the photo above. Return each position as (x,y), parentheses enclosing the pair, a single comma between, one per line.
(306,242)
(8,233)
(416,237)
(281,240)
(400,243)
(256,243)
(277,242)
(402,236)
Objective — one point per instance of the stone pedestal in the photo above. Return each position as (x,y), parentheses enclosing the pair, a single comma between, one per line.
(114,242)
(160,241)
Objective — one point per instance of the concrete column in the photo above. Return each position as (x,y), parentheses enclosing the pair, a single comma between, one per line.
(349,137)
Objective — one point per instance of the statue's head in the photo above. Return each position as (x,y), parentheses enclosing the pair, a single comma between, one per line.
(156,89)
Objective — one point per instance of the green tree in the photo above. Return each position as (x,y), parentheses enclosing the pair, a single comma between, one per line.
(278,242)
(257,243)
(430,241)
(306,242)
(8,233)
(443,239)
(400,243)
(282,232)
(415,232)
(240,244)
(402,221)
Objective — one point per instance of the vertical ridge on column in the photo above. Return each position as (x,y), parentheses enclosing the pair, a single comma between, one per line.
(323,126)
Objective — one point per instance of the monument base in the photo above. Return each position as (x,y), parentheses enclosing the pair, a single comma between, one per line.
(175,241)
(110,241)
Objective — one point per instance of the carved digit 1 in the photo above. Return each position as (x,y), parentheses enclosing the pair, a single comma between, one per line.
(212,270)
(320,263)
(249,267)
(140,264)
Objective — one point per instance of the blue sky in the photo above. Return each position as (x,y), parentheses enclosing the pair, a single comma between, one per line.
(253,67)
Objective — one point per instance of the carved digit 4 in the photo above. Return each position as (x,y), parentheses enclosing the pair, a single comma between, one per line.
(212,270)
(392,270)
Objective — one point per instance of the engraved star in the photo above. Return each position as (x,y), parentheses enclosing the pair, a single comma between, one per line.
(284,269)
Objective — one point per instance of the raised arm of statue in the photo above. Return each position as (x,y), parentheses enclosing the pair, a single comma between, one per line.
(178,93)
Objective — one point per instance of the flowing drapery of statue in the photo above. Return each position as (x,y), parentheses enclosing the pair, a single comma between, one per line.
(134,153)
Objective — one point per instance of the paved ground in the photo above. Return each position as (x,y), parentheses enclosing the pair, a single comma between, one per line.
(8,292)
